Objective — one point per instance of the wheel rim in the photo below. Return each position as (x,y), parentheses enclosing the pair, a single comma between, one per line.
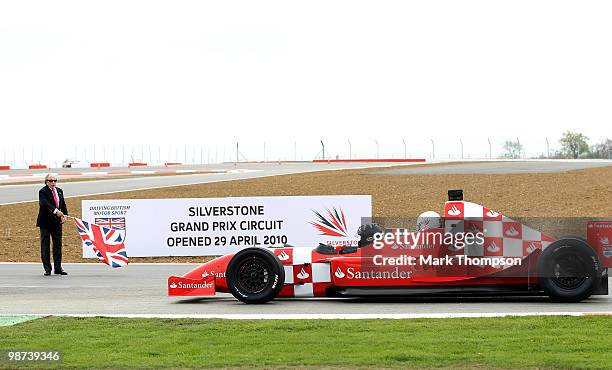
(253,275)
(569,272)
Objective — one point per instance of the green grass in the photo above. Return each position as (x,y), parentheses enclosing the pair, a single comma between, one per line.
(519,342)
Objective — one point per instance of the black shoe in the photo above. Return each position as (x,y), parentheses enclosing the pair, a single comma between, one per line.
(47,273)
(61,272)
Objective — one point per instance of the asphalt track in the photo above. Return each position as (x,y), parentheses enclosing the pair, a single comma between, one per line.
(29,192)
(504,167)
(140,290)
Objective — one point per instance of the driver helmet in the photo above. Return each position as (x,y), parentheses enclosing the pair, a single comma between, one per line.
(429,220)
(366,233)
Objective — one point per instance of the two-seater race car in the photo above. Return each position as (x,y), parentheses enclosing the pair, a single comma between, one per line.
(471,250)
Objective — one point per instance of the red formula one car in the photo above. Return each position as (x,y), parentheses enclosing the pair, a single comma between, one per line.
(471,250)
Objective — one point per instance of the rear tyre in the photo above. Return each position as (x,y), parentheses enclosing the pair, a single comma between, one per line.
(569,270)
(255,275)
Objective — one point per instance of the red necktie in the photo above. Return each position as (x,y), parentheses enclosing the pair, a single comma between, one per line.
(55,198)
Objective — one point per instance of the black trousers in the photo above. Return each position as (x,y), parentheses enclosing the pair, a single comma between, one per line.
(46,234)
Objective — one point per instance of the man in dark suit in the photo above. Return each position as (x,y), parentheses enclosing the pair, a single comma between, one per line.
(51,215)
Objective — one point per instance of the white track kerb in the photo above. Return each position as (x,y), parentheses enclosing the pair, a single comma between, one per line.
(337,316)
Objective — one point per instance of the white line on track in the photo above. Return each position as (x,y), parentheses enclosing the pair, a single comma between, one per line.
(334,316)
(56,286)
(195,183)
(137,189)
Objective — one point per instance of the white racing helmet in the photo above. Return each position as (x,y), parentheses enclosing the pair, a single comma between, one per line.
(429,220)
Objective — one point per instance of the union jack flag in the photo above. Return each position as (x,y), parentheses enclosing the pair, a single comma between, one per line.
(107,243)
(116,223)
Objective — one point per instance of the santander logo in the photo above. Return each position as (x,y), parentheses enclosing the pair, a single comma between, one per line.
(454,211)
(532,247)
(493,248)
(339,274)
(303,274)
(173,285)
(491,213)
(604,240)
(283,256)
(512,231)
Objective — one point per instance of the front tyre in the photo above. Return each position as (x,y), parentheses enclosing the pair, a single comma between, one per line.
(569,270)
(255,275)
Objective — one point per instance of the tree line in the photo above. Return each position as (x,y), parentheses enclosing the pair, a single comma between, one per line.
(573,145)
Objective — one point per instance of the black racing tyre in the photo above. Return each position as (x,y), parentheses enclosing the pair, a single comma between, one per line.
(255,275)
(569,270)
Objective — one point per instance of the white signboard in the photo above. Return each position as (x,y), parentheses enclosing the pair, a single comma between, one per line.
(216,226)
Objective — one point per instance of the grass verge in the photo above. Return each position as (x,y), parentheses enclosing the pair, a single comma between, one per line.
(509,342)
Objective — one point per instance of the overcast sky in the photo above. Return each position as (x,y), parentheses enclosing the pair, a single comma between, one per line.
(208,74)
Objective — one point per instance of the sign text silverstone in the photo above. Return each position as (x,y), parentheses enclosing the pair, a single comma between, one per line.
(215,226)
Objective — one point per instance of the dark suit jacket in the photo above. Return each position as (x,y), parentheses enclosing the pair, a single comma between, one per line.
(46,219)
